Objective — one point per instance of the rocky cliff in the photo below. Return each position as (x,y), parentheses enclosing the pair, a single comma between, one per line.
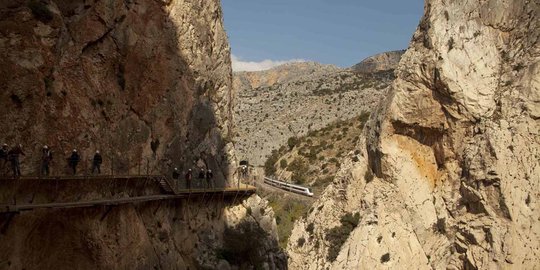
(448,174)
(139,80)
(296,98)
(379,62)
(147,83)
(181,234)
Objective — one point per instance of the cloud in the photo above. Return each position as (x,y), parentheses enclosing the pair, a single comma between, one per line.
(239,65)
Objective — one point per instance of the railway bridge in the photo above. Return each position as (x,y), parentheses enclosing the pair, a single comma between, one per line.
(34,192)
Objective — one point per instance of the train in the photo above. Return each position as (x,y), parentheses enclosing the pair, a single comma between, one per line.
(289,187)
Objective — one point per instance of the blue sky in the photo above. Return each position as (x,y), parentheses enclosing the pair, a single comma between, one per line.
(340,32)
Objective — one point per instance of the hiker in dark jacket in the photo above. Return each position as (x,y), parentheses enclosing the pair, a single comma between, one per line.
(175,174)
(46,158)
(189,176)
(13,157)
(209,179)
(73,161)
(201,177)
(3,158)
(96,162)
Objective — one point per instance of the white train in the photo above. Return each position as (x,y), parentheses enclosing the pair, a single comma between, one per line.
(289,187)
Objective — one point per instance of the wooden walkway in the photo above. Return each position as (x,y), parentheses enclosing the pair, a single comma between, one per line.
(169,192)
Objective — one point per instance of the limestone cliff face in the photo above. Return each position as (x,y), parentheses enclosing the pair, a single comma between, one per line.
(379,62)
(449,173)
(116,76)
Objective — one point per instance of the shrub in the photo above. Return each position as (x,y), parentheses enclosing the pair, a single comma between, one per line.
(310,227)
(269,168)
(40,10)
(299,168)
(368,176)
(363,118)
(301,241)
(283,163)
(385,258)
(338,235)
(292,142)
(440,226)
(450,44)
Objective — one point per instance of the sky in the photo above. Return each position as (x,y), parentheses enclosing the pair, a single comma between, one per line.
(267,33)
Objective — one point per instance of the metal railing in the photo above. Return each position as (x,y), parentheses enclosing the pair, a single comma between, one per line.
(60,167)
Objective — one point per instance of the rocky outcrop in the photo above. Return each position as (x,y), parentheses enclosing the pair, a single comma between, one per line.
(142,81)
(296,98)
(448,174)
(182,234)
(379,62)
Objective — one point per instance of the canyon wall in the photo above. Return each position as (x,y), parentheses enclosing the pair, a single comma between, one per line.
(149,84)
(448,172)
(146,82)
(192,233)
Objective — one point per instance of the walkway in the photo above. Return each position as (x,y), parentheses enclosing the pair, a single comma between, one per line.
(166,191)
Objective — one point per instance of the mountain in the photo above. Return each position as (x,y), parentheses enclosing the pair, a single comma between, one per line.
(447,176)
(380,62)
(293,99)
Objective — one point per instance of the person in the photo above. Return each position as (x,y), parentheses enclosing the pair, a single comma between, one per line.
(46,158)
(202,174)
(209,179)
(175,174)
(96,162)
(73,161)
(3,158)
(13,157)
(189,175)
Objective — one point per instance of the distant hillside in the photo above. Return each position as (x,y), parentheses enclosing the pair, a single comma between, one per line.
(313,160)
(290,100)
(379,62)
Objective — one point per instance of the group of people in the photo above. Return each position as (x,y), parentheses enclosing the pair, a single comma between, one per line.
(12,156)
(208,175)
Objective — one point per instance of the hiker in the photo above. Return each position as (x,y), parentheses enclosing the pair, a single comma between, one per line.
(46,158)
(189,175)
(202,175)
(96,162)
(73,161)
(3,158)
(175,174)
(13,157)
(209,179)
